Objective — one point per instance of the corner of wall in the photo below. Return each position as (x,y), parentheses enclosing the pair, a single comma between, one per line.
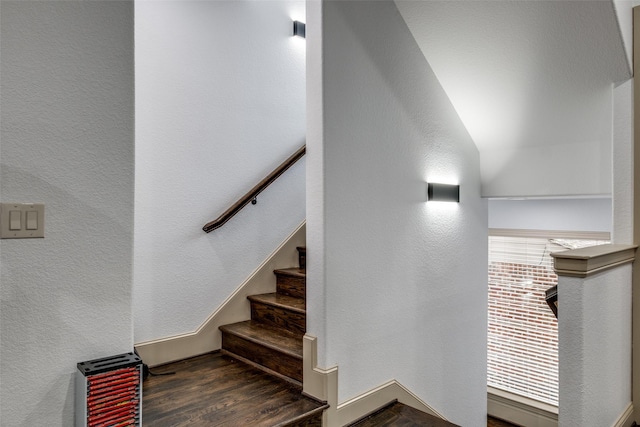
(322,384)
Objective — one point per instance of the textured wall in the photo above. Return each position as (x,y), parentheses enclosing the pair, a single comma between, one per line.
(622,232)
(551,214)
(624,15)
(219,104)
(67,141)
(594,326)
(532,82)
(556,170)
(402,281)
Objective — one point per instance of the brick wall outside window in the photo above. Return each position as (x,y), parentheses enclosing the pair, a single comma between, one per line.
(523,332)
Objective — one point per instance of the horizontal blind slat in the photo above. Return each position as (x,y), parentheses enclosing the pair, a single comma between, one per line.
(523,332)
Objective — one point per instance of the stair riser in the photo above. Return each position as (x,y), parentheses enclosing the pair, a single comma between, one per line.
(302,257)
(270,358)
(292,286)
(280,317)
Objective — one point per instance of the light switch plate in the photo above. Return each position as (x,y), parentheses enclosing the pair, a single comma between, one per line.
(21,220)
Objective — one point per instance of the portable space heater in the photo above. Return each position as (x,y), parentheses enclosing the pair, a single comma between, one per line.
(109,392)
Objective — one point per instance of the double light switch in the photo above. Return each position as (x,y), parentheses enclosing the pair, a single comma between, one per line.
(21,220)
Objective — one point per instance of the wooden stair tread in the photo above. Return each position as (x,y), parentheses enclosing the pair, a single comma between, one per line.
(293,272)
(272,339)
(303,419)
(279,300)
(267,336)
(263,368)
(398,414)
(214,389)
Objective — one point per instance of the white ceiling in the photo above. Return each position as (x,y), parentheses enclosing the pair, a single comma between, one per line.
(524,73)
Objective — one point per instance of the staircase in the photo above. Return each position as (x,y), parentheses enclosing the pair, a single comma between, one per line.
(272,339)
(214,389)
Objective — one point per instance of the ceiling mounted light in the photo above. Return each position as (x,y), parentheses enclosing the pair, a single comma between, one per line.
(443,192)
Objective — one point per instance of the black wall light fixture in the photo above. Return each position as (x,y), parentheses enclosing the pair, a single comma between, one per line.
(299,29)
(443,192)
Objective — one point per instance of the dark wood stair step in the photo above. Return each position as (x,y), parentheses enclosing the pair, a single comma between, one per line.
(283,301)
(302,257)
(311,418)
(398,414)
(274,348)
(280,311)
(291,281)
(268,336)
(216,390)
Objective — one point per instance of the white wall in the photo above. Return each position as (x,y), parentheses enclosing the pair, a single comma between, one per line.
(594,329)
(67,141)
(624,15)
(403,282)
(531,81)
(316,301)
(220,92)
(579,169)
(622,232)
(552,214)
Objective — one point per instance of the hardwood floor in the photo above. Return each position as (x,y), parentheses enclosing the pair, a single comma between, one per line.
(217,390)
(399,415)
(495,422)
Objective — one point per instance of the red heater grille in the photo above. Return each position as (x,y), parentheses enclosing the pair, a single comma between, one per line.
(109,392)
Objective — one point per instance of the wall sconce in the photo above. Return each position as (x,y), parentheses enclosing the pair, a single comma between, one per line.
(299,29)
(443,192)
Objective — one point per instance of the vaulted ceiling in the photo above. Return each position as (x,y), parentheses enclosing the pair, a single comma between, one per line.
(524,74)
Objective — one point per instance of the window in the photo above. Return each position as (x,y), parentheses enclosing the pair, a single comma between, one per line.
(523,331)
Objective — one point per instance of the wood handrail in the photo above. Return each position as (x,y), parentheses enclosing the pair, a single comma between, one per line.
(253,193)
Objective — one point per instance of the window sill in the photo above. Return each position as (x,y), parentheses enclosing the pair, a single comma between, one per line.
(520,410)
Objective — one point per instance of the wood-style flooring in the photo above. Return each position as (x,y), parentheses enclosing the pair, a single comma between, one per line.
(217,390)
(495,422)
(399,415)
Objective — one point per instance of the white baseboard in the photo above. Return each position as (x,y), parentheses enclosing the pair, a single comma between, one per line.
(377,398)
(626,418)
(521,411)
(236,308)
(323,385)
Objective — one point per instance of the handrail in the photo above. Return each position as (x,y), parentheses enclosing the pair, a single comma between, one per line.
(253,193)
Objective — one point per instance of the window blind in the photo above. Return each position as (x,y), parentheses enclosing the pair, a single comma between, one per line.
(522,353)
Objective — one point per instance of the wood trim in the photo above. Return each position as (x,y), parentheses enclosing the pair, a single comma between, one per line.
(550,234)
(356,408)
(253,193)
(315,380)
(236,308)
(591,260)
(322,384)
(635,365)
(626,418)
(519,410)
